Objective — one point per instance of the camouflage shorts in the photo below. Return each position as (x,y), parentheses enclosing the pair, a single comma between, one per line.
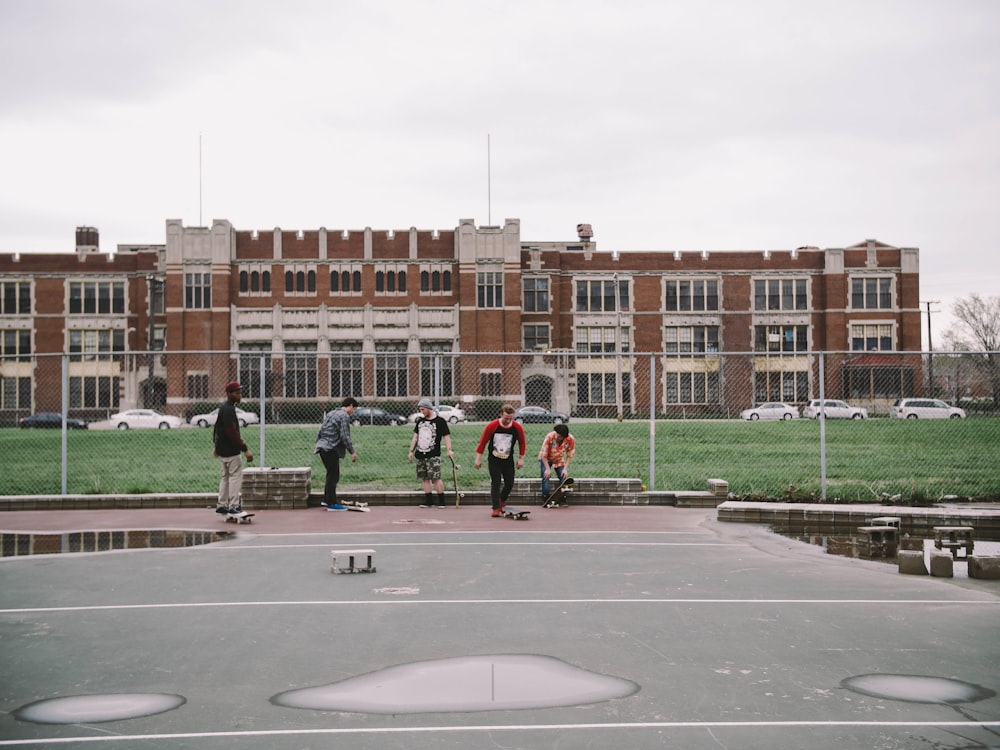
(429,468)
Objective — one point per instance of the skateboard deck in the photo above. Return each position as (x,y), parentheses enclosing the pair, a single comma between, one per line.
(242,517)
(357,507)
(454,474)
(517,514)
(558,496)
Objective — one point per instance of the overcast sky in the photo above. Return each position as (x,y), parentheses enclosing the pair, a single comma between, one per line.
(667,125)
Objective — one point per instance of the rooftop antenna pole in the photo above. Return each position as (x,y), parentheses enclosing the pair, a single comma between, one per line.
(489,185)
(199,180)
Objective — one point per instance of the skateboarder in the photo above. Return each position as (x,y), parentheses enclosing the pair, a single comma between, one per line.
(429,431)
(228,447)
(334,443)
(558,449)
(499,437)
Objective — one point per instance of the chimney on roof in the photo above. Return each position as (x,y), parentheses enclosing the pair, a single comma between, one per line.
(585,232)
(87,240)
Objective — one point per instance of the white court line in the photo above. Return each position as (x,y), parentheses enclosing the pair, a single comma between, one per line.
(232,546)
(510,728)
(881,602)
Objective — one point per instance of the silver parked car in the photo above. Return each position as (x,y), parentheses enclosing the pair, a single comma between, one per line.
(774,410)
(924,408)
(209,420)
(833,409)
(144,419)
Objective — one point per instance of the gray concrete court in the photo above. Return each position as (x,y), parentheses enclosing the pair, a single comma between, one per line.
(735,637)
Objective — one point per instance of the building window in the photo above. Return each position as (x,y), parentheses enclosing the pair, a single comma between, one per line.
(536,294)
(255,281)
(197,291)
(15,393)
(93,392)
(15,298)
(345,281)
(93,346)
(490,383)
(596,388)
(871,293)
(692,387)
(781,386)
(435,280)
(250,369)
(781,338)
(391,371)
(346,370)
(300,281)
(780,294)
(600,339)
(684,295)
(436,368)
(300,370)
(871,337)
(599,295)
(197,386)
(16,344)
(885,381)
(489,289)
(536,337)
(96,297)
(691,339)
(390,280)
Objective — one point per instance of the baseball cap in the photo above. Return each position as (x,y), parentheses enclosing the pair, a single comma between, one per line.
(232,385)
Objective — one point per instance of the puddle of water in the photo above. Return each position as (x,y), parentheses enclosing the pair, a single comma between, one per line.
(916,688)
(467,683)
(92,709)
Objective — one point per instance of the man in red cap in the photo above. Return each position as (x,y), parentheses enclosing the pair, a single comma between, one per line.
(228,447)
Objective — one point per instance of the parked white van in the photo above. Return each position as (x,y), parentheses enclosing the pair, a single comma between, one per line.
(924,408)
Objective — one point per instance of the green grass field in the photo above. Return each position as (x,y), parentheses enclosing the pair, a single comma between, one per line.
(921,460)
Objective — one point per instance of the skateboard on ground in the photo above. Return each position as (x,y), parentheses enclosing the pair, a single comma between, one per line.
(558,496)
(454,474)
(241,517)
(516,513)
(357,506)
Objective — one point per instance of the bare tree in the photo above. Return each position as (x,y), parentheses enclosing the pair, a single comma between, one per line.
(977,330)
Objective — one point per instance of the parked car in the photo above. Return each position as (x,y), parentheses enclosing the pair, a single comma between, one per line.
(770,410)
(833,409)
(450,414)
(373,415)
(51,420)
(538,415)
(144,419)
(208,420)
(924,408)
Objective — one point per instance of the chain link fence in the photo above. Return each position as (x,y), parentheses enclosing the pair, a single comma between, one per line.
(673,420)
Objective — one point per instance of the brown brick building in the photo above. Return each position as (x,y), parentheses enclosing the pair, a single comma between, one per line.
(397,314)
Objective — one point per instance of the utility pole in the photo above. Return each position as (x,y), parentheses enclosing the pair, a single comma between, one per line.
(930,347)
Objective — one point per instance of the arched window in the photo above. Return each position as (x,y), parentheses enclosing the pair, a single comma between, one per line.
(401,278)
(390,281)
(334,281)
(436,281)
(311,281)
(425,281)
(447,281)
(243,281)
(357,280)
(265,281)
(289,281)
(379,281)
(300,281)
(254,281)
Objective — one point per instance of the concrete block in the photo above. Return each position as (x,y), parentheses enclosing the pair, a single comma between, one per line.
(911,562)
(984,566)
(942,565)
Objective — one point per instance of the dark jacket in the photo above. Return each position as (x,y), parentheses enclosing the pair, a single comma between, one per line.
(227,432)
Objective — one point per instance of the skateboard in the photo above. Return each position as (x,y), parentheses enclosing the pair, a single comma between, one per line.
(454,474)
(357,506)
(516,513)
(241,517)
(558,496)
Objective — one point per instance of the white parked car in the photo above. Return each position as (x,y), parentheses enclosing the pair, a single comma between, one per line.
(833,409)
(770,410)
(144,419)
(209,420)
(924,408)
(449,413)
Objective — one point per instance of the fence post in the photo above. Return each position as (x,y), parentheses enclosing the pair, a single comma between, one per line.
(822,426)
(652,422)
(65,412)
(262,459)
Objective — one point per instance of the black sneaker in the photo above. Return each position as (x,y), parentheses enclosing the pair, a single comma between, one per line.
(235,511)
(221,510)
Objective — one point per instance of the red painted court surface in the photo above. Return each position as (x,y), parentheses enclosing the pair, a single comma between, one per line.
(585,627)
